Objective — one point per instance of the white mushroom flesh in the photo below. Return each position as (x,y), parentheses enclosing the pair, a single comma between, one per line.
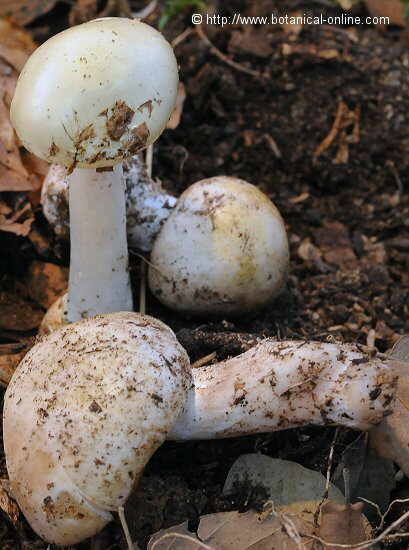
(83,413)
(99,279)
(280,385)
(223,250)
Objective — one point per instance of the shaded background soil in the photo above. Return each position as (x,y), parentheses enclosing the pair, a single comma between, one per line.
(345,206)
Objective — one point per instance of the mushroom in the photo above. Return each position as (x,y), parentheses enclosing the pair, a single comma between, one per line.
(147,204)
(222,251)
(90,403)
(86,99)
(83,413)
(280,385)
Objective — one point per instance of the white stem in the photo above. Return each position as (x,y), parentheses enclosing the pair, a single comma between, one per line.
(280,385)
(99,279)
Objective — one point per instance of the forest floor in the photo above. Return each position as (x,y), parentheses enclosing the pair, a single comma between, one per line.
(320,124)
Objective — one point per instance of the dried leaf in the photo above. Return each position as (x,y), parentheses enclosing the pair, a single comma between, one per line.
(342,524)
(400,350)
(18,314)
(7,504)
(394,9)
(176,115)
(17,172)
(310,253)
(12,37)
(336,246)
(23,12)
(370,476)
(234,531)
(46,282)
(289,485)
(83,11)
(40,243)
(390,438)
(8,364)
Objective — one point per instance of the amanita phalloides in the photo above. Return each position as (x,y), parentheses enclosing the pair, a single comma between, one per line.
(222,251)
(83,413)
(90,403)
(88,98)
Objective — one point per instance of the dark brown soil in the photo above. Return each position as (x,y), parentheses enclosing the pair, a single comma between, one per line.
(346,210)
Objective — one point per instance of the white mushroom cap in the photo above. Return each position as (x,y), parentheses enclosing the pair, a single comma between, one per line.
(96,93)
(223,250)
(83,413)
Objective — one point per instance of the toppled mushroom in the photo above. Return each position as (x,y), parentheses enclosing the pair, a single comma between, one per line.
(88,98)
(281,385)
(223,250)
(83,413)
(148,205)
(104,393)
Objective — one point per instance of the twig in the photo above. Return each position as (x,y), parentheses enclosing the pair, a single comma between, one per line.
(146,11)
(125,528)
(347,485)
(397,501)
(204,360)
(328,477)
(376,506)
(224,57)
(153,266)
(181,37)
(327,142)
(273,145)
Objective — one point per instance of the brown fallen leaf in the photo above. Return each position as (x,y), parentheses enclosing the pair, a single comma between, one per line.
(10,356)
(8,364)
(23,12)
(335,245)
(13,38)
(46,282)
(83,11)
(19,171)
(342,524)
(390,438)
(393,9)
(18,314)
(234,531)
(310,253)
(7,503)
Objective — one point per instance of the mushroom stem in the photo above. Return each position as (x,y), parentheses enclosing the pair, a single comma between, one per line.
(280,385)
(99,278)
